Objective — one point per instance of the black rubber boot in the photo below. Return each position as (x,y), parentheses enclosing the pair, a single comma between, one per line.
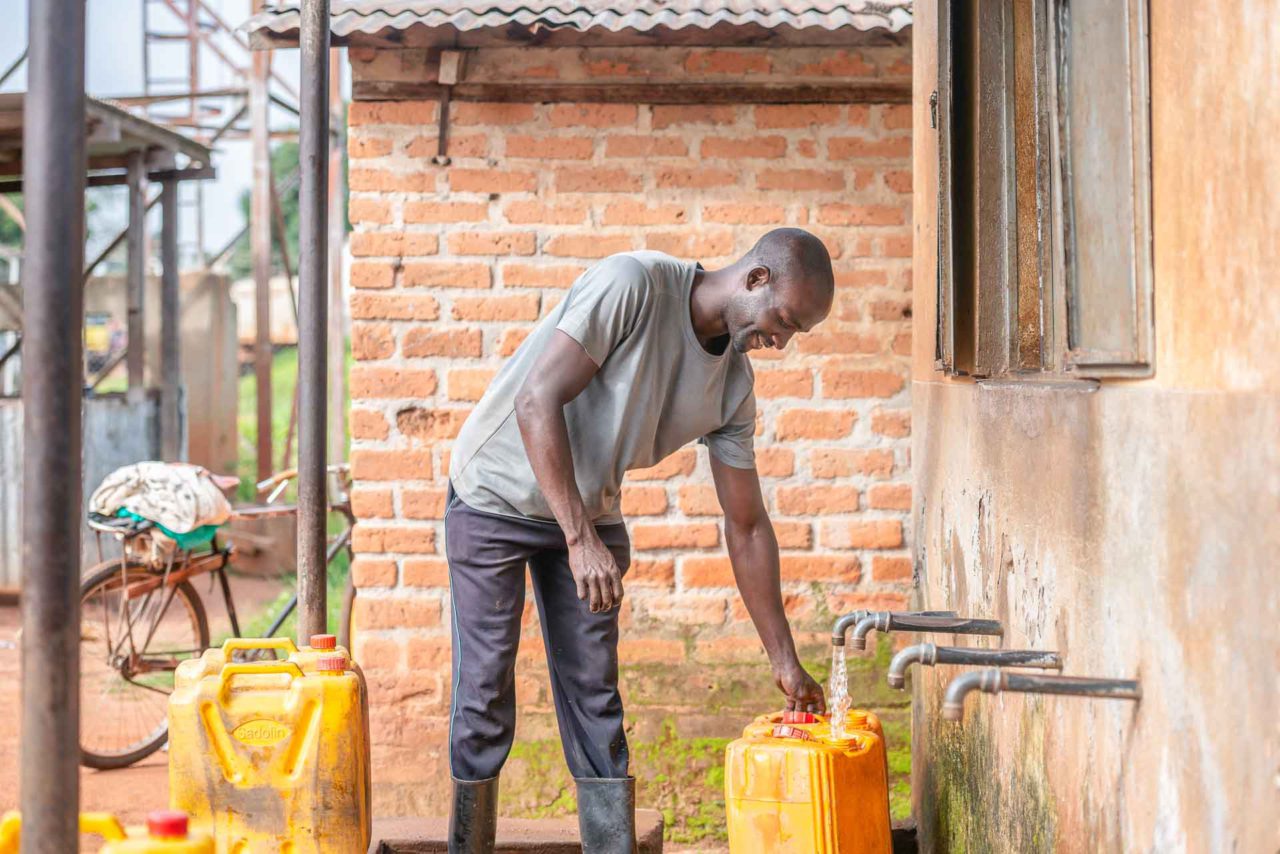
(474,821)
(607,815)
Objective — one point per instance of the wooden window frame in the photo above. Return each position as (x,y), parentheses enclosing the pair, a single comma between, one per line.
(1007,294)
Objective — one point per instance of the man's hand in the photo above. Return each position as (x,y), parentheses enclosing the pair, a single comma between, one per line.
(595,573)
(802,692)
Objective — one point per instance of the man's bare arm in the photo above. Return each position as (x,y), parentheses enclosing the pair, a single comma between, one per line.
(560,374)
(753,551)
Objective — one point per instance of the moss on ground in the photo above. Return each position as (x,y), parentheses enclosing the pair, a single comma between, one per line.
(678,760)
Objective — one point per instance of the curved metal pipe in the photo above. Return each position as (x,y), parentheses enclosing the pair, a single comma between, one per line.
(927,654)
(887,621)
(841,627)
(994,681)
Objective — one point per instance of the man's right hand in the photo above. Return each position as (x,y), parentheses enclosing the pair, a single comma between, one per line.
(595,573)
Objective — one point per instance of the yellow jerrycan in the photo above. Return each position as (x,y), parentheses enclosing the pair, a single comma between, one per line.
(212,659)
(791,787)
(273,755)
(166,833)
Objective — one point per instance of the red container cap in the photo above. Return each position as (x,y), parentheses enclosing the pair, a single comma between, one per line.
(799,718)
(331,664)
(170,823)
(324,641)
(786,731)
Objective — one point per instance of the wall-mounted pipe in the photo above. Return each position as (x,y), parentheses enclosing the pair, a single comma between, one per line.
(927,654)
(841,627)
(994,681)
(887,621)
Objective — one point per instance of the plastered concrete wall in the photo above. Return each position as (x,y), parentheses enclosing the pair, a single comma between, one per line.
(1133,527)
(452,266)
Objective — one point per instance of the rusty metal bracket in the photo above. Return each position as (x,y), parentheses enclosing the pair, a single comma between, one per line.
(449,75)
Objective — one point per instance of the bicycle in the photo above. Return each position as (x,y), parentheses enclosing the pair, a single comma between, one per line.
(140,616)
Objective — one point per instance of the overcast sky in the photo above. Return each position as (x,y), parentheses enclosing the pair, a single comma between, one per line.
(114,68)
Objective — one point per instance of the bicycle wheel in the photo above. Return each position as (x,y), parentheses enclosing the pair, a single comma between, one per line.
(129,649)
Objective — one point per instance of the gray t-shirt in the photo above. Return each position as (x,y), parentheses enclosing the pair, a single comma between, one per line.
(657,389)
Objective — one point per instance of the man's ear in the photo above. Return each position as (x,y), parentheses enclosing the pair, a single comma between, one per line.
(758,276)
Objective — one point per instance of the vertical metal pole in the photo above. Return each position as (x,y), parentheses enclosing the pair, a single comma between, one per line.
(337,307)
(52,383)
(260,248)
(170,327)
(136,278)
(313,297)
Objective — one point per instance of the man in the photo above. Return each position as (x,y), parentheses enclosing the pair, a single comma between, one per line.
(645,354)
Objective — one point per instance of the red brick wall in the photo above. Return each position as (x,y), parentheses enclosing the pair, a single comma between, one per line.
(452,266)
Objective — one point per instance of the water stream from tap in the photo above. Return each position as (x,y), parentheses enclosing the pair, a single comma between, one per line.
(838,692)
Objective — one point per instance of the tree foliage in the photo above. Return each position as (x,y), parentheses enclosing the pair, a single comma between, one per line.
(284,161)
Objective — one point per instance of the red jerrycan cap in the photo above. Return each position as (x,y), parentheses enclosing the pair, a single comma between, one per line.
(331,664)
(799,718)
(324,641)
(788,731)
(171,823)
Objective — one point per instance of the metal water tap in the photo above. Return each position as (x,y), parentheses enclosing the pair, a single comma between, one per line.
(994,681)
(888,621)
(927,654)
(841,628)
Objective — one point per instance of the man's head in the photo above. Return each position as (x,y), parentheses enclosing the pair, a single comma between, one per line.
(786,287)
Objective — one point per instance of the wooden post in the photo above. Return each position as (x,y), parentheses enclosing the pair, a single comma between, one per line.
(260,248)
(171,444)
(136,278)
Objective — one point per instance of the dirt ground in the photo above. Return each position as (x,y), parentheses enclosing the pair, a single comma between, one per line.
(130,792)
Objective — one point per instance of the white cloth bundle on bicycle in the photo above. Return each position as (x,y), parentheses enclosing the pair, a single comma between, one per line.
(178,496)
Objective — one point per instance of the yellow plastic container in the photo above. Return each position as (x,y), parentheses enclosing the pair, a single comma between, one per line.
(274,756)
(791,788)
(212,659)
(165,833)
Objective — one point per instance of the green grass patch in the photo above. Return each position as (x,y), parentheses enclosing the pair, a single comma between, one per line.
(284,377)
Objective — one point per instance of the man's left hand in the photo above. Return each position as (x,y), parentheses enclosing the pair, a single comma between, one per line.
(803,693)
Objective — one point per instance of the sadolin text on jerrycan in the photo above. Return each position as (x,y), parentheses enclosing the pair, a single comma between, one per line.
(273,755)
(792,788)
(166,833)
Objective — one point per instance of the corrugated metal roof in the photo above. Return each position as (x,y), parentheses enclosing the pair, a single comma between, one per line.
(372,16)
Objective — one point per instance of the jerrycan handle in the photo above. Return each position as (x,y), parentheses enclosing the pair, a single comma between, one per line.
(103,824)
(230,645)
(258,667)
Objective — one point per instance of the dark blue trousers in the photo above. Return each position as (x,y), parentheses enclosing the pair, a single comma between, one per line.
(487,557)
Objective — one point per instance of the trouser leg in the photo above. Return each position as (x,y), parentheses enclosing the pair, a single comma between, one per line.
(486,576)
(582,656)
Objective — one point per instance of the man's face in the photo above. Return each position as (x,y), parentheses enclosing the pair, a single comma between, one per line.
(766,316)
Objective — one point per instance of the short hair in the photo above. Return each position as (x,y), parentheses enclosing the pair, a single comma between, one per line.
(795,254)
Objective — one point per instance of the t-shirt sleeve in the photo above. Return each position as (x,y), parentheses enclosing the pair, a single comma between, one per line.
(605,305)
(734,443)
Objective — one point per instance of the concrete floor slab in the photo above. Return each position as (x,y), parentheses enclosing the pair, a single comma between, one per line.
(526,836)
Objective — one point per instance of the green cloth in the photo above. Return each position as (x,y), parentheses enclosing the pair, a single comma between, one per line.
(189,540)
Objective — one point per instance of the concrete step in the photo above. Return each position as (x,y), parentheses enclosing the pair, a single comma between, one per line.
(523,835)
